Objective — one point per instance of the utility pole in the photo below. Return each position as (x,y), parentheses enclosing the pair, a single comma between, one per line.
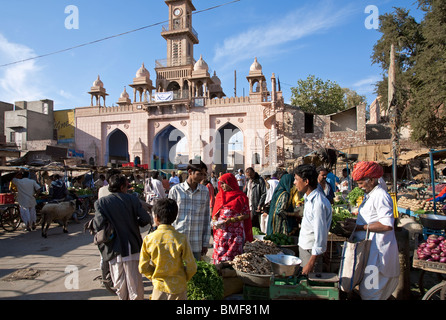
(393,110)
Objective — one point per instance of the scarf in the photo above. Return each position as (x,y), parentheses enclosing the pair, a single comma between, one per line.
(234,199)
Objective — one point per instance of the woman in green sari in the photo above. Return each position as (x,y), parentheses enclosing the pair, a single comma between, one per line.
(281,204)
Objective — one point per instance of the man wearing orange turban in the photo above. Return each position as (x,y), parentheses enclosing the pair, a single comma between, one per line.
(375,214)
(367,169)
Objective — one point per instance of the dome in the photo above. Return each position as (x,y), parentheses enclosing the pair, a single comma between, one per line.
(216,79)
(142,72)
(201,65)
(124,94)
(256,66)
(98,83)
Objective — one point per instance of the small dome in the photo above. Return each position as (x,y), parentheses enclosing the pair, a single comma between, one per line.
(124,94)
(216,79)
(256,66)
(201,65)
(98,83)
(142,72)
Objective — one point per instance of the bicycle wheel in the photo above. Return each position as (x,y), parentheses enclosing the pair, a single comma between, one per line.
(83,210)
(437,292)
(11,219)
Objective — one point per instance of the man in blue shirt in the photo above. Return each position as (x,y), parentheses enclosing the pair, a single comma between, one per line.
(316,219)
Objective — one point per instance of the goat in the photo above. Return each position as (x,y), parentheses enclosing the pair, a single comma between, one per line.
(57,211)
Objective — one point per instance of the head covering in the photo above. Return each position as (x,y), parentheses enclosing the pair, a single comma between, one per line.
(234,199)
(285,185)
(367,169)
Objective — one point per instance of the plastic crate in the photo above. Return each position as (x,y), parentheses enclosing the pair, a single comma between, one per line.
(255,293)
(302,288)
(7,198)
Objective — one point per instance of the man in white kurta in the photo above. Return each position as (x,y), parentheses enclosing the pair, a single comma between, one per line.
(376,213)
(26,189)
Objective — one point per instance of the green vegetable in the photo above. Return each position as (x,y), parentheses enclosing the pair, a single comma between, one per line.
(256,231)
(354,195)
(340,214)
(206,284)
(280,239)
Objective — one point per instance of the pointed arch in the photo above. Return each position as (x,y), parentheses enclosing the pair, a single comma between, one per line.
(117,147)
(229,148)
(165,145)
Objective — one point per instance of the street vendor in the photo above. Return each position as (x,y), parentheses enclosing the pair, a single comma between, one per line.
(316,220)
(376,215)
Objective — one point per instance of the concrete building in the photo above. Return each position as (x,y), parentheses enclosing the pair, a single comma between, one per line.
(30,128)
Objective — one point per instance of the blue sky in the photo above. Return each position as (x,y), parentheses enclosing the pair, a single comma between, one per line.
(291,38)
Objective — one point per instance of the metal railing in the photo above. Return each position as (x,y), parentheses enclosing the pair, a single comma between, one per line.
(179,27)
(174,62)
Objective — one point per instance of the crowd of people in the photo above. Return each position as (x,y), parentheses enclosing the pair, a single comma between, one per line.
(188,211)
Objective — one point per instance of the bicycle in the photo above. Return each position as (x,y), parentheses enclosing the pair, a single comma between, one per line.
(10,217)
(437,292)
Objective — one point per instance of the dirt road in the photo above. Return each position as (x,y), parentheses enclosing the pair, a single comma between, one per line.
(61,267)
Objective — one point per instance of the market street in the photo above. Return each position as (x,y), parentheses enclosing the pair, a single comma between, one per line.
(53,258)
(47,264)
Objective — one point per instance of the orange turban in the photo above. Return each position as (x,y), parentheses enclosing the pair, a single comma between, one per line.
(367,169)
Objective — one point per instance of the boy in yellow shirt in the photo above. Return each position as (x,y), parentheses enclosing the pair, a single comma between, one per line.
(166,257)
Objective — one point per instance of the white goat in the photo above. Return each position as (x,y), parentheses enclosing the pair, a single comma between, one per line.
(57,211)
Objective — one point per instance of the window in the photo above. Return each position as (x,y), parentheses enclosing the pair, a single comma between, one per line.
(256,158)
(309,123)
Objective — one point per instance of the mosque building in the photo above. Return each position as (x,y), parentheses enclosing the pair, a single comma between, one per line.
(184,114)
(184,106)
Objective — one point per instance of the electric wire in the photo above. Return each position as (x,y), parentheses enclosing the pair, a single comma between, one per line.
(110,37)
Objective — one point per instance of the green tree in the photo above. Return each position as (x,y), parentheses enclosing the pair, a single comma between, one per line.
(420,69)
(352,98)
(426,111)
(316,96)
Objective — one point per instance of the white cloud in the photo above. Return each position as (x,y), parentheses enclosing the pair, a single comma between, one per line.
(366,85)
(267,40)
(20,81)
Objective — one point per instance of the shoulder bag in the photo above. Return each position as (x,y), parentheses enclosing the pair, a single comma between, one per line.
(353,262)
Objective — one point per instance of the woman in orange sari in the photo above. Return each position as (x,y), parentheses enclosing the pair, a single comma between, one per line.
(231,220)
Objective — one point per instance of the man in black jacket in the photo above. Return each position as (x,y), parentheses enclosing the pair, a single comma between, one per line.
(125,212)
(255,189)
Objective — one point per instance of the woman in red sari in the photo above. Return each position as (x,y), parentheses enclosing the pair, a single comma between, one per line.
(231,220)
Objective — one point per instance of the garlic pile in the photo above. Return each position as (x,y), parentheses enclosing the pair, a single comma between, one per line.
(252,260)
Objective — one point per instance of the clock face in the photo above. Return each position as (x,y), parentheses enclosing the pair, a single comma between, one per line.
(177,11)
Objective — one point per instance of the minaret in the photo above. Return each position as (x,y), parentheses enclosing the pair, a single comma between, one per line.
(98,91)
(172,73)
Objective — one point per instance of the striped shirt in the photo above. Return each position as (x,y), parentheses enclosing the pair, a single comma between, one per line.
(194,219)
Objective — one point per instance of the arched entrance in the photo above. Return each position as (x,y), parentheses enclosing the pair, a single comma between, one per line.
(165,148)
(118,148)
(228,155)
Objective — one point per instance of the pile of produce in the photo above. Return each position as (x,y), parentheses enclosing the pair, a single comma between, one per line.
(206,284)
(354,195)
(340,214)
(252,260)
(260,248)
(256,232)
(339,199)
(251,263)
(280,239)
(415,205)
(434,249)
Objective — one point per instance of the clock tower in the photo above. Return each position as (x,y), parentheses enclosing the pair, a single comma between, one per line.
(173,72)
